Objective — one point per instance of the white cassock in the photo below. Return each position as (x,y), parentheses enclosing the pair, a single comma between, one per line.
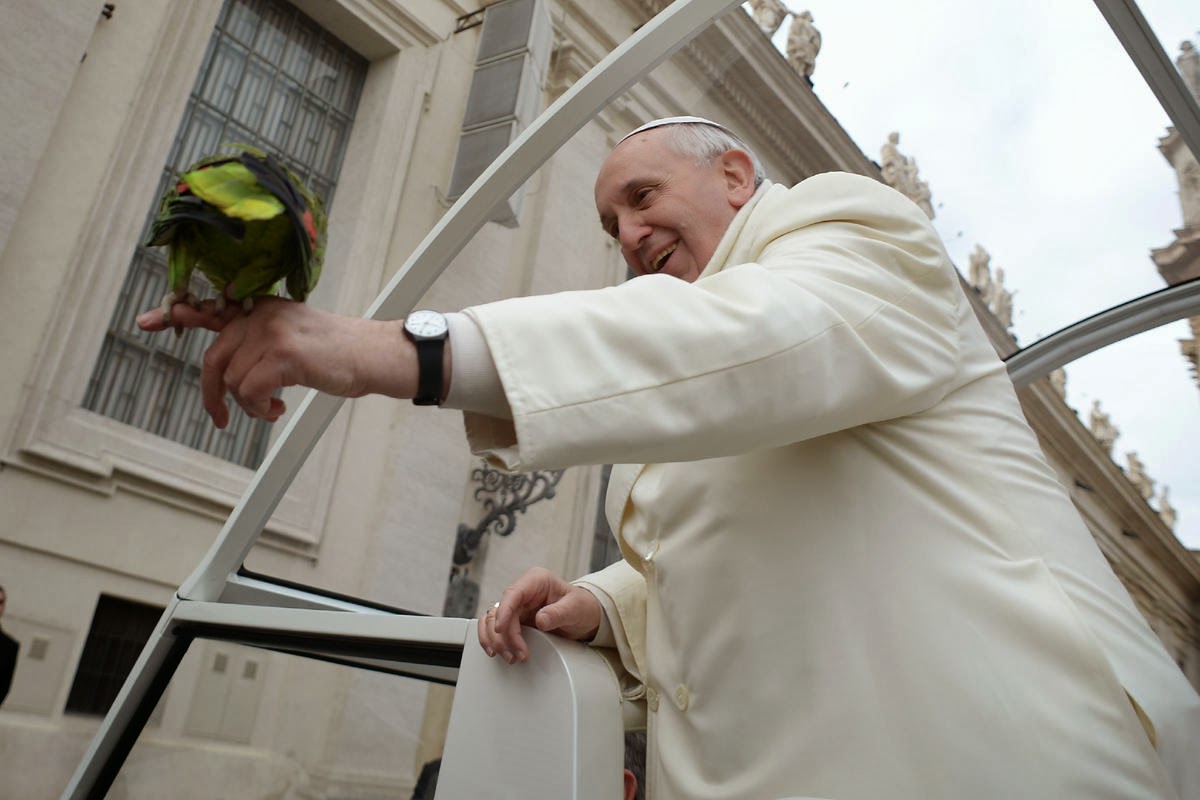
(850,572)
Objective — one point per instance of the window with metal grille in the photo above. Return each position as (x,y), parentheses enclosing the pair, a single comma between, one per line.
(271,78)
(120,629)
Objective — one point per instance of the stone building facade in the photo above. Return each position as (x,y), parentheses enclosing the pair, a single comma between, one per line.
(1179,261)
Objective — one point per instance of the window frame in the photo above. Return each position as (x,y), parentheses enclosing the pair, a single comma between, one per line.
(54,435)
(152,382)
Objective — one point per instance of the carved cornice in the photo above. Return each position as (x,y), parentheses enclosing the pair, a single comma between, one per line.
(1151,604)
(1169,144)
(1180,260)
(377,28)
(582,39)
(1190,348)
(770,102)
(1171,619)
(739,69)
(649,8)
(568,64)
(1004,342)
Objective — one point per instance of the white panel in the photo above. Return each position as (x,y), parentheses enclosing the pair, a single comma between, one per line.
(477,149)
(495,91)
(547,729)
(506,92)
(507,28)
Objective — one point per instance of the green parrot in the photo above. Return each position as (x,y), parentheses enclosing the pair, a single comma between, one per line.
(247,223)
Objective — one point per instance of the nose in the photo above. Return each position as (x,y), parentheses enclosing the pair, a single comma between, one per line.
(631,232)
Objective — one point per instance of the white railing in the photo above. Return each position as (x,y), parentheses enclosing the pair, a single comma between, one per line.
(550,728)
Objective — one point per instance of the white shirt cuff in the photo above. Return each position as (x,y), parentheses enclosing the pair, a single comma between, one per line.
(474,382)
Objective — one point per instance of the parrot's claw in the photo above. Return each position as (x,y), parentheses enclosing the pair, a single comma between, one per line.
(169,300)
(248,305)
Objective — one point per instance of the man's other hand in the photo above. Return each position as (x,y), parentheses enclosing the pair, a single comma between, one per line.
(541,599)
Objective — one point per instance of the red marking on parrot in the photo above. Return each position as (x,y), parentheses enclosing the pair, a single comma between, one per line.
(309,226)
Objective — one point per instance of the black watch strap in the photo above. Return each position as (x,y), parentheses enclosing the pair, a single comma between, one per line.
(429,364)
(427,330)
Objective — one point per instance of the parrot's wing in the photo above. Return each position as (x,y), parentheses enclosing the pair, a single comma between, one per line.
(303,209)
(315,224)
(186,210)
(234,190)
(275,179)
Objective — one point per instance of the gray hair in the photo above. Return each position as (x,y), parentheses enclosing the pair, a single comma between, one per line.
(704,142)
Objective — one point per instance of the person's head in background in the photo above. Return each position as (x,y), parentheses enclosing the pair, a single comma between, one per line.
(635,765)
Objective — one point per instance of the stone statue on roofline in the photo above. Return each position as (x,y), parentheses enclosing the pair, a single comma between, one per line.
(1102,428)
(980,272)
(768,15)
(892,162)
(1189,193)
(901,173)
(803,44)
(919,188)
(1058,382)
(1000,301)
(1138,477)
(1165,510)
(1189,67)
(1188,170)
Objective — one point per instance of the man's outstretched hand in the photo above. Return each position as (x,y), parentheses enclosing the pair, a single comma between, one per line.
(542,599)
(283,343)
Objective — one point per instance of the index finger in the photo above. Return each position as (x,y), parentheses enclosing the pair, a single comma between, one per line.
(508,622)
(184,315)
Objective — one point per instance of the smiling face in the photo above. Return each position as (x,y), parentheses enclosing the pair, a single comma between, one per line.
(667,211)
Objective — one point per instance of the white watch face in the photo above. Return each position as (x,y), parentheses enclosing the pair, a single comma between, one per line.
(425,324)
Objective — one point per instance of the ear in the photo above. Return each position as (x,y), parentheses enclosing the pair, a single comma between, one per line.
(738,171)
(630,785)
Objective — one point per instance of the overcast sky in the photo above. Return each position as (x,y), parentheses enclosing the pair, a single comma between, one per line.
(1039,140)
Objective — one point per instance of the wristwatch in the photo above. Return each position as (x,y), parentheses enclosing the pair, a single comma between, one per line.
(428,331)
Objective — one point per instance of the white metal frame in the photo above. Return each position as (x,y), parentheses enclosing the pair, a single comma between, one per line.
(1100,330)
(216,601)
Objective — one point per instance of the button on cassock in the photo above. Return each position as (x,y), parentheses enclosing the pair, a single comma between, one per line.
(651,698)
(682,697)
(648,556)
